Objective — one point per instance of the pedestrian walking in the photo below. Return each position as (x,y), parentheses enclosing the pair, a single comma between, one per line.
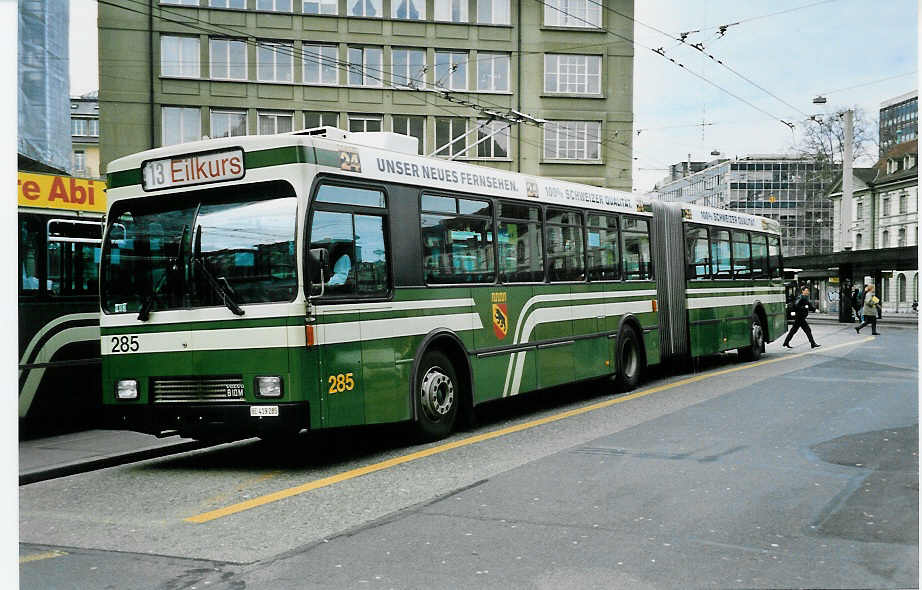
(857,303)
(871,305)
(802,308)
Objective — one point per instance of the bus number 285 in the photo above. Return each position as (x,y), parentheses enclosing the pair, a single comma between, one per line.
(340,383)
(125,344)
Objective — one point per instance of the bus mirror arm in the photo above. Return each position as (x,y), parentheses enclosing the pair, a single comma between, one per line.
(320,259)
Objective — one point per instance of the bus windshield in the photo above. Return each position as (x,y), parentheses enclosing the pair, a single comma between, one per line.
(200,249)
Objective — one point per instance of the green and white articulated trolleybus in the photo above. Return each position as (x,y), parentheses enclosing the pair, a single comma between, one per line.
(266,285)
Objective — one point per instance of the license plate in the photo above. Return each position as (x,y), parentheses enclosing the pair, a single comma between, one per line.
(264,410)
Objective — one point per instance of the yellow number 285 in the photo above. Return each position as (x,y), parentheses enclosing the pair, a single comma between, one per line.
(341,382)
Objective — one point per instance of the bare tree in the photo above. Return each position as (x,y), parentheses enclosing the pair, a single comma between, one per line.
(823,138)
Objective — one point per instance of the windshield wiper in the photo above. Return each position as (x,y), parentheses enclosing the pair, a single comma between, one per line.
(144,312)
(223,289)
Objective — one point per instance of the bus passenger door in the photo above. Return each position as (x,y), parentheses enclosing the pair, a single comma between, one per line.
(341,384)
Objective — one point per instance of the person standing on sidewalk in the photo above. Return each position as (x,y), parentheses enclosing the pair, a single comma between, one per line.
(871,304)
(802,308)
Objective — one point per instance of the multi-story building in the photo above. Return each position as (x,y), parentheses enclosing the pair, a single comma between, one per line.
(885,215)
(899,121)
(43,143)
(84,135)
(177,70)
(791,190)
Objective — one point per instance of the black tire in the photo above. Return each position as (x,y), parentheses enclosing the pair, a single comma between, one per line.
(756,340)
(437,395)
(629,358)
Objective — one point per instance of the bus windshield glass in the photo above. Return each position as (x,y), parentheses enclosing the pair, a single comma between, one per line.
(159,251)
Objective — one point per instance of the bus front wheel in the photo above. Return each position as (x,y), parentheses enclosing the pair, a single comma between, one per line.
(756,340)
(630,362)
(437,396)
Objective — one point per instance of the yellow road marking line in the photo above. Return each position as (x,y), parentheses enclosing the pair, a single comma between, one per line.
(352,474)
(40,556)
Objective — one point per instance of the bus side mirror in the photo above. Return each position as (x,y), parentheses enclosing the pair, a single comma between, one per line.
(320,265)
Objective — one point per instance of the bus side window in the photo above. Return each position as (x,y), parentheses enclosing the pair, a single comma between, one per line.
(720,253)
(759,257)
(30,236)
(696,249)
(635,238)
(774,256)
(742,262)
(457,238)
(602,248)
(565,258)
(73,256)
(520,242)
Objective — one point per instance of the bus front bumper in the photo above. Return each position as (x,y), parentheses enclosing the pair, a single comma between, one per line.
(210,420)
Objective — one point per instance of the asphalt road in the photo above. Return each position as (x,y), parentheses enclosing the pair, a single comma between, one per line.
(798,471)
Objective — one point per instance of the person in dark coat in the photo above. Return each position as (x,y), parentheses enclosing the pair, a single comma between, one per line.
(802,308)
(857,303)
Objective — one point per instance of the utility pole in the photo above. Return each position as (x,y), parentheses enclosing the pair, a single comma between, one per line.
(847,181)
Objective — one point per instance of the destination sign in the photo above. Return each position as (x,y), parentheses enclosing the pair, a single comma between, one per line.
(192,169)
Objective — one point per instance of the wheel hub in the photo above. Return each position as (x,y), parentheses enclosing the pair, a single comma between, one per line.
(757,335)
(437,393)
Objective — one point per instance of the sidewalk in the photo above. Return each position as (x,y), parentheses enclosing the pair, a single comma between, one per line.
(892,319)
(67,454)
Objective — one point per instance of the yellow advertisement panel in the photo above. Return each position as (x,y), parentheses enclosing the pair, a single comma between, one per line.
(61,192)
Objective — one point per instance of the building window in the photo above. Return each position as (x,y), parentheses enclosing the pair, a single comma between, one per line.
(496,146)
(414,127)
(493,12)
(79,127)
(228,59)
(901,287)
(360,123)
(274,63)
(79,162)
(453,11)
(365,66)
(886,207)
(369,8)
(272,123)
(451,69)
(573,74)
(409,9)
(320,64)
(859,210)
(904,203)
(228,123)
(857,241)
(274,5)
(915,287)
(180,125)
(493,72)
(450,130)
(573,13)
(901,237)
(180,2)
(321,7)
(572,140)
(240,4)
(885,239)
(179,56)
(320,119)
(409,67)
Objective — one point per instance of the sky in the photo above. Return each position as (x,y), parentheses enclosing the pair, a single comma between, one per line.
(814,47)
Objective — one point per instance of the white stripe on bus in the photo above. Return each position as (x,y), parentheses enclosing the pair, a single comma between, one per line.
(395,327)
(564,297)
(779,289)
(392,306)
(46,353)
(53,323)
(201,340)
(730,300)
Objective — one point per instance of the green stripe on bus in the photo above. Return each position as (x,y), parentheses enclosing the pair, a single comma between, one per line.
(215,325)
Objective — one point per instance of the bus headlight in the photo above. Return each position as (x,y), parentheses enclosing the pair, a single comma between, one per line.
(269,386)
(127,389)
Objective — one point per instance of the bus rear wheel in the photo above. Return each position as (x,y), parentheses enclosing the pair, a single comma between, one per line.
(437,396)
(630,361)
(756,340)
